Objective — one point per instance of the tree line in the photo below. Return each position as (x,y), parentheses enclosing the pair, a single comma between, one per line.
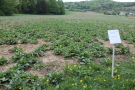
(100,6)
(9,7)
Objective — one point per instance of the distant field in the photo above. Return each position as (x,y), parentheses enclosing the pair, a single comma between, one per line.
(19,19)
(66,52)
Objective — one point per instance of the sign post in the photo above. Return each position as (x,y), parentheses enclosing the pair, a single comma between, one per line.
(113,60)
(114,38)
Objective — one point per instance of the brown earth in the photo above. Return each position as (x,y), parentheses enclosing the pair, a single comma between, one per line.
(133,17)
(107,44)
(52,62)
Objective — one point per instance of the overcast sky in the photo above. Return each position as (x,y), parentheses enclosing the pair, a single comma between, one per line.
(87,0)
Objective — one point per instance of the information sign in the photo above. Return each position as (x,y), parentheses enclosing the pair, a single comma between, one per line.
(114,36)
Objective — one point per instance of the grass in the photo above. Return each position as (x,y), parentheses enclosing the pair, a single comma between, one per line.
(74,35)
(69,12)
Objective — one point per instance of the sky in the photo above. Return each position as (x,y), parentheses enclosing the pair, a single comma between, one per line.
(87,0)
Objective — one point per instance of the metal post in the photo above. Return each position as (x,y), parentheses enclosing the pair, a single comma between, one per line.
(113,60)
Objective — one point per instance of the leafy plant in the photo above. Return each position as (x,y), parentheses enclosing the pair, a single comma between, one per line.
(24,40)
(15,49)
(33,40)
(11,41)
(3,61)
(2,41)
(119,45)
(25,63)
(17,56)
(58,50)
(55,78)
(86,55)
(106,61)
(37,53)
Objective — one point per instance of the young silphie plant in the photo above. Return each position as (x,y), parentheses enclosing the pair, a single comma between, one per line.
(106,61)
(98,50)
(2,41)
(16,49)
(11,41)
(17,56)
(25,63)
(86,57)
(3,61)
(15,80)
(24,41)
(55,78)
(37,53)
(33,40)
(73,50)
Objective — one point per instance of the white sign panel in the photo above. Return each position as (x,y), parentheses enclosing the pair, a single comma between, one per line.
(114,36)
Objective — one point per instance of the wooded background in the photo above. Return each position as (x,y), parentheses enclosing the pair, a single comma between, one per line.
(9,7)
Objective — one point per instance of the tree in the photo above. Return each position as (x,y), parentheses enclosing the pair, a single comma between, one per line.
(7,7)
(42,7)
(53,7)
(61,9)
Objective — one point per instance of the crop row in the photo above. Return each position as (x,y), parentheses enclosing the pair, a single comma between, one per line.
(72,39)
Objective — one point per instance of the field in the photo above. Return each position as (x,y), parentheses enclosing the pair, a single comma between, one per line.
(66,52)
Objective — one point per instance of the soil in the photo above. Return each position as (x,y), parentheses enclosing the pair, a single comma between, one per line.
(133,17)
(107,44)
(6,67)
(52,62)
(91,12)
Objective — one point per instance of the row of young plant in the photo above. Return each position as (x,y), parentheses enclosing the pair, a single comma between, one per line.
(74,76)
(16,78)
(70,38)
(13,78)
(79,30)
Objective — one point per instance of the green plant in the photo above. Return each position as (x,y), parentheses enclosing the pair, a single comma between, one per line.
(3,61)
(33,40)
(15,49)
(17,56)
(25,63)
(37,53)
(86,55)
(2,41)
(58,50)
(106,61)
(119,45)
(10,41)
(24,40)
(55,78)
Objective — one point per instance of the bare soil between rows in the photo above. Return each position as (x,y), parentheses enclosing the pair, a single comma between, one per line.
(54,62)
